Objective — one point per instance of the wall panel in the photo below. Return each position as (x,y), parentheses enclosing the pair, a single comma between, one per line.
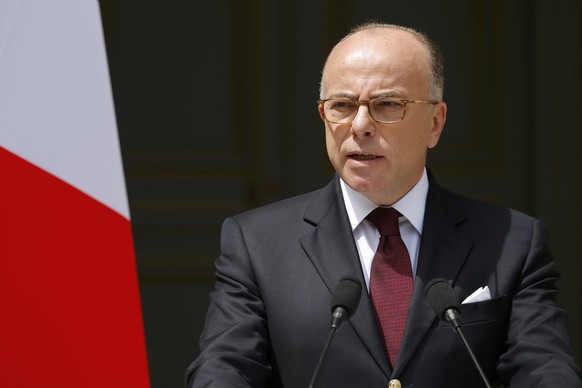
(217,114)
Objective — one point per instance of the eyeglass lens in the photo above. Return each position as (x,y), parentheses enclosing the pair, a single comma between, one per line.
(341,110)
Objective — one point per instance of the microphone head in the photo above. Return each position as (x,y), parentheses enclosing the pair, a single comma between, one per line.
(347,295)
(441,297)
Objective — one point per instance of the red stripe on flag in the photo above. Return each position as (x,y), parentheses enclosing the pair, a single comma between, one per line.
(70,310)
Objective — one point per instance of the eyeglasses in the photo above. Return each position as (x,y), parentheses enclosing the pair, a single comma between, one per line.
(386,110)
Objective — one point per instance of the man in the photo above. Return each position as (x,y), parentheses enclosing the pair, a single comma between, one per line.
(269,316)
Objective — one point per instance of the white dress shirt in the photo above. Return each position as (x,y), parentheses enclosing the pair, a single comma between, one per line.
(367,237)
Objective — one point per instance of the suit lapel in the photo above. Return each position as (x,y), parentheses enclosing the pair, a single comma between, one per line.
(442,253)
(332,250)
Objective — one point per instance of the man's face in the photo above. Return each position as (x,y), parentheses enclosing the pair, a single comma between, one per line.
(381,161)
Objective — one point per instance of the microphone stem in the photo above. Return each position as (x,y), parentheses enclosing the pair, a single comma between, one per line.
(474,358)
(323,353)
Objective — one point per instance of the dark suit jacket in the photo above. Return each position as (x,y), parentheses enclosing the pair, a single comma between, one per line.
(270,312)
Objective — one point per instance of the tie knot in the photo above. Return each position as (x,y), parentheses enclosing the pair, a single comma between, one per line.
(385,220)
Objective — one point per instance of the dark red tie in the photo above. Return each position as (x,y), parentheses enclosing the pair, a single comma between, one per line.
(390,280)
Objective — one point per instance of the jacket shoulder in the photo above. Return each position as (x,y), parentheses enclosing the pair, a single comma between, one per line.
(298,208)
(481,209)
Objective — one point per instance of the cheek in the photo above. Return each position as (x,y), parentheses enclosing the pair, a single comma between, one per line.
(406,148)
(333,141)
(332,149)
(419,137)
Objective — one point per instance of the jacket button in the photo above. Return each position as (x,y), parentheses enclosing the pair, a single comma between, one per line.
(394,383)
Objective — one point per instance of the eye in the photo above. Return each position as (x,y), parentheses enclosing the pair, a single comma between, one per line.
(341,104)
(387,103)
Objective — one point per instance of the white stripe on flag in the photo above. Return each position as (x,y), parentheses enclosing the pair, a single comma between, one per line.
(56,109)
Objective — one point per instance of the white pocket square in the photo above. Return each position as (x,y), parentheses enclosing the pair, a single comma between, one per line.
(481,294)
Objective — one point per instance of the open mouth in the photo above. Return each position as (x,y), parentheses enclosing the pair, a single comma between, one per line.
(362,157)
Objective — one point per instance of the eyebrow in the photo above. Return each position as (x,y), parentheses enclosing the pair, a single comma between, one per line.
(343,95)
(391,94)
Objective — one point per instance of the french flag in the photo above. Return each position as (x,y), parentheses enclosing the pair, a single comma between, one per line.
(70,313)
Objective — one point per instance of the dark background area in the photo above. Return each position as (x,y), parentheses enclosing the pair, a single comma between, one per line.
(216,112)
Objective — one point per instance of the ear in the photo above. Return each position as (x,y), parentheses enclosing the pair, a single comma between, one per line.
(438,122)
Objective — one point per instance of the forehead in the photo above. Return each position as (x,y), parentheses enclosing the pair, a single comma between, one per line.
(377,60)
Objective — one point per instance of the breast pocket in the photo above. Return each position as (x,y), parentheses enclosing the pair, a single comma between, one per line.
(481,312)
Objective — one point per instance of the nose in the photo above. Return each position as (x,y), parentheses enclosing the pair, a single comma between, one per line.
(363,124)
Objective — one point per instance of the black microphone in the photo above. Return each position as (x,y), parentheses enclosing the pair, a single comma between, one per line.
(345,300)
(344,304)
(446,305)
(444,302)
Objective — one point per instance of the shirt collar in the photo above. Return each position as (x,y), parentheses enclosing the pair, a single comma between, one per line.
(411,206)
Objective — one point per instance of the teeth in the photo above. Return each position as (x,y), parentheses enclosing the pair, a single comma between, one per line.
(363,157)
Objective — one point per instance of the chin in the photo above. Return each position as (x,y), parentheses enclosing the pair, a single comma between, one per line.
(361,185)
